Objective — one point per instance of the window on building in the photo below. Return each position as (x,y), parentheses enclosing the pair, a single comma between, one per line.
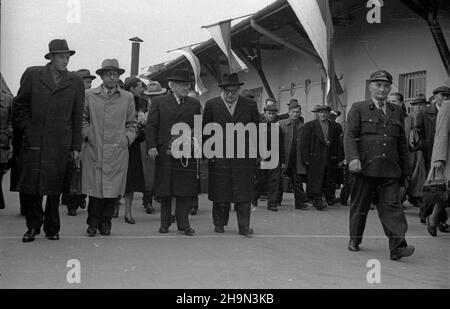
(411,85)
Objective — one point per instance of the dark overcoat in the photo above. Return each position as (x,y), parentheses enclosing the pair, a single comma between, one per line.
(426,124)
(50,118)
(377,140)
(172,178)
(318,154)
(231,179)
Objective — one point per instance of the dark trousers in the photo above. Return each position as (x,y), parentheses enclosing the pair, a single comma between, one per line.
(300,196)
(267,181)
(147,198)
(221,214)
(195,203)
(100,212)
(35,215)
(390,211)
(183,206)
(347,187)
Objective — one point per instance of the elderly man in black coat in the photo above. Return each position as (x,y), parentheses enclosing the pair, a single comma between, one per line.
(174,177)
(48,109)
(231,180)
(321,152)
(375,148)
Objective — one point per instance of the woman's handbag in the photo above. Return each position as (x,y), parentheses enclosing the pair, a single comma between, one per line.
(72,180)
(435,187)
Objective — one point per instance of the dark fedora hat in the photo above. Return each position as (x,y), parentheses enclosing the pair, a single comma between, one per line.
(110,65)
(85,73)
(420,99)
(183,76)
(443,89)
(271,108)
(381,75)
(58,46)
(319,108)
(230,80)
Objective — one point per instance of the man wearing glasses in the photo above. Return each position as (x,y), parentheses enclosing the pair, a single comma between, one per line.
(231,180)
(175,178)
(109,128)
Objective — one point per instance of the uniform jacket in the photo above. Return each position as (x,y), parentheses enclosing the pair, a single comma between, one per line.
(231,180)
(172,178)
(426,124)
(378,141)
(50,119)
(109,128)
(441,149)
(5,125)
(287,130)
(318,154)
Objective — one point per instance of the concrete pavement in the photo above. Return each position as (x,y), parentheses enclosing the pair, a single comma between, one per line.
(290,249)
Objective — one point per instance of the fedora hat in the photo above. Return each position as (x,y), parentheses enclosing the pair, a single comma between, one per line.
(58,46)
(381,75)
(230,80)
(420,99)
(320,108)
(110,65)
(183,76)
(443,89)
(154,88)
(271,108)
(85,73)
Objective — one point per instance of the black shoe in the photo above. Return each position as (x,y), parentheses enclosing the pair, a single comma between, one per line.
(129,220)
(352,246)
(105,232)
(91,231)
(219,229)
(399,253)
(319,205)
(189,232)
(272,208)
(149,209)
(193,212)
(52,236)
(163,230)
(30,235)
(332,201)
(444,228)
(246,232)
(432,229)
(72,213)
(301,206)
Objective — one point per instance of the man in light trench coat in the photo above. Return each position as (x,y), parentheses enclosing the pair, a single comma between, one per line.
(109,128)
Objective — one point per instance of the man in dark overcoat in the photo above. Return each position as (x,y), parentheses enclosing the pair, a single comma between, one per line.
(231,180)
(174,177)
(48,110)
(321,149)
(375,148)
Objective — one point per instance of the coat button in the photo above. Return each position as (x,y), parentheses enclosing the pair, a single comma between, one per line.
(384,144)
(383,154)
(385,135)
(370,120)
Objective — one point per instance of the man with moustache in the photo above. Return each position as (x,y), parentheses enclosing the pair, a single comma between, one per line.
(375,148)
(175,178)
(48,110)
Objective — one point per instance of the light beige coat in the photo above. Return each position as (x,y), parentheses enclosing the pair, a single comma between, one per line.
(441,149)
(109,127)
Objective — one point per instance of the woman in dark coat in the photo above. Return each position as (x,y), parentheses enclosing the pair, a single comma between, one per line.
(135,175)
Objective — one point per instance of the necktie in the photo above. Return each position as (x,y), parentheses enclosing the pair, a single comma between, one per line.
(181,101)
(381,104)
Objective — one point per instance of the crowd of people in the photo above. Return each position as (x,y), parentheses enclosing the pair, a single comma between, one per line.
(119,136)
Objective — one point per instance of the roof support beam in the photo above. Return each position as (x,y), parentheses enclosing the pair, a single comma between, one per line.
(428,10)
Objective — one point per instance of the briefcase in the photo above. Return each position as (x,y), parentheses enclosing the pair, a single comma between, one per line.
(435,188)
(72,179)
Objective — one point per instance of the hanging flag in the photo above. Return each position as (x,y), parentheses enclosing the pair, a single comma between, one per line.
(221,33)
(195,63)
(315,17)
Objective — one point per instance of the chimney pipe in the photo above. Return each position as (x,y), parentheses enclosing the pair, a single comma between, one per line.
(135,55)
